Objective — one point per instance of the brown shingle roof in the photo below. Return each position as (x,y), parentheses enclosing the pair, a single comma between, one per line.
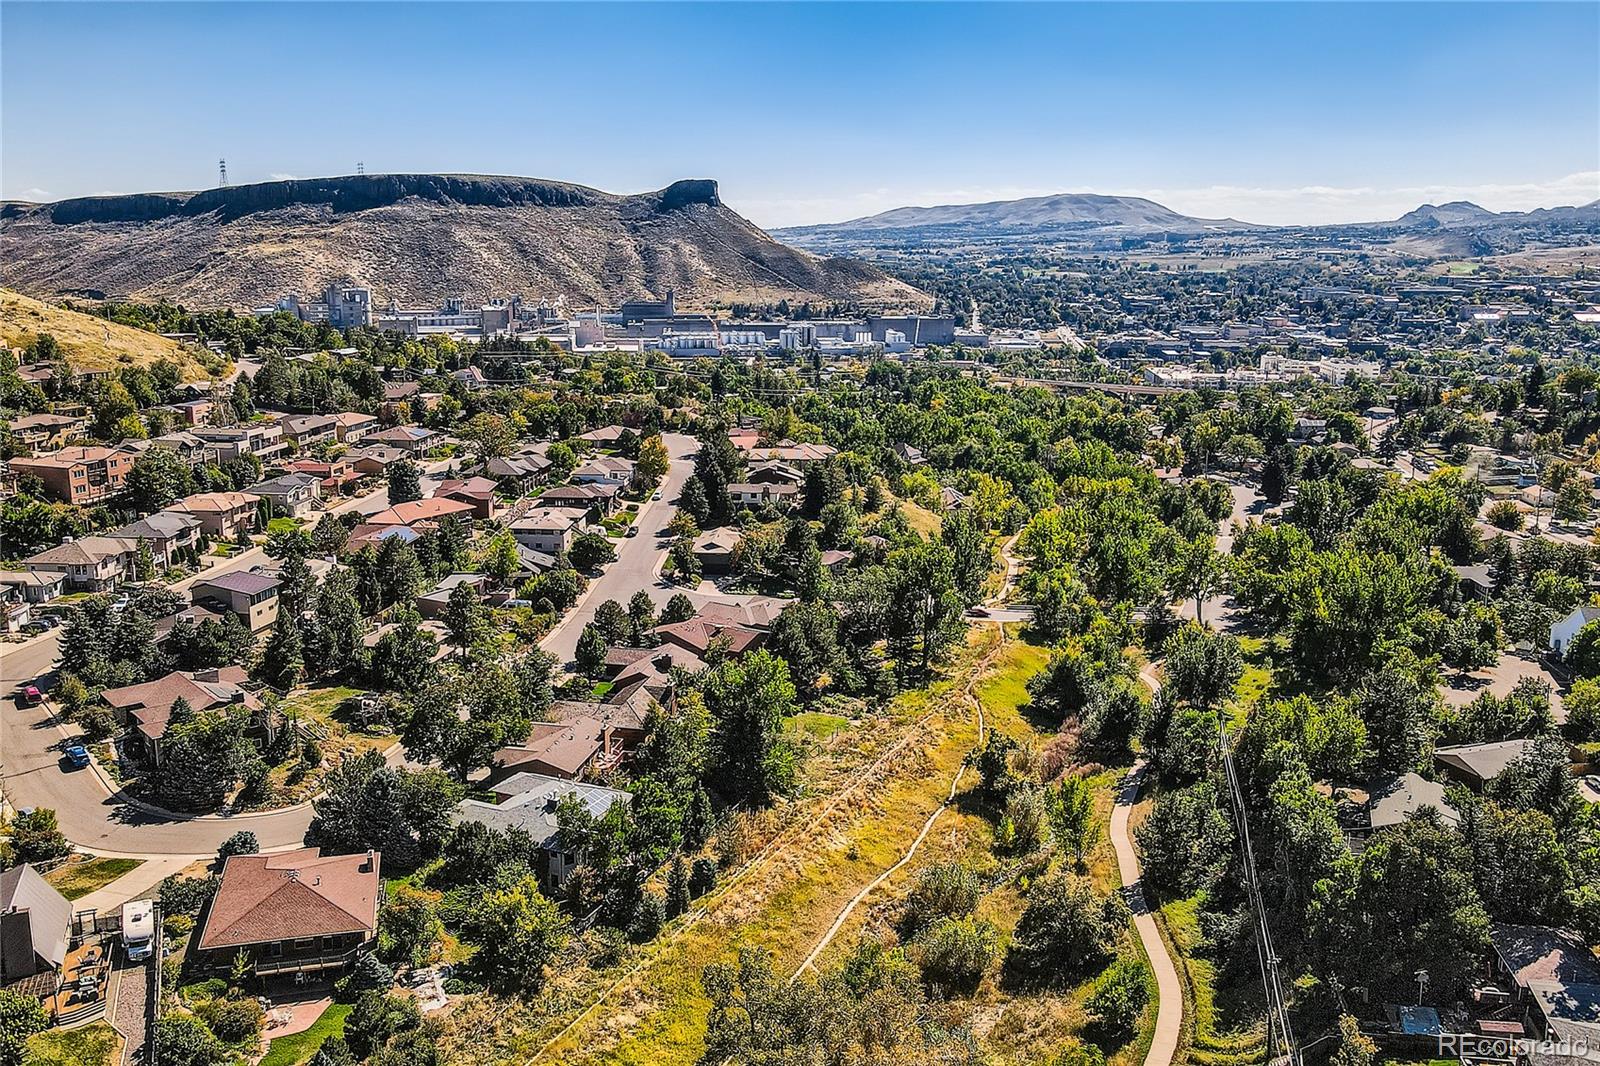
(295,894)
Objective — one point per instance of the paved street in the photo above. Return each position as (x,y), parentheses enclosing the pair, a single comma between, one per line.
(639,558)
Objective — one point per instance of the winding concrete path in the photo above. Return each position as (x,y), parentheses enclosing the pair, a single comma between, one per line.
(1169,1004)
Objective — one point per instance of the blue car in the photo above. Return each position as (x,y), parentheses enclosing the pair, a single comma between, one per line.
(77,756)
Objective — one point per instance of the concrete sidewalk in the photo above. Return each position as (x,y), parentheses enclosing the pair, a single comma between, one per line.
(1169,1009)
(135,883)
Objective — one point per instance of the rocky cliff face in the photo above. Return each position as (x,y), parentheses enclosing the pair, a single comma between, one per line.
(418,239)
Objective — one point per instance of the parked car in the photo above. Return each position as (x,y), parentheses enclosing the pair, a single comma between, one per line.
(655,495)
(77,756)
(31,696)
(1593,781)
(633,531)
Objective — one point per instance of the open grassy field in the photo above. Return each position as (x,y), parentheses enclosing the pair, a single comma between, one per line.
(866,796)
(75,880)
(90,343)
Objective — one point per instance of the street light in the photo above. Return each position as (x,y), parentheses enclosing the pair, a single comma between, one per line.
(1422,982)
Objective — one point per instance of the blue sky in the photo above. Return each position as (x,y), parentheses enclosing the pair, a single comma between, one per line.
(821,112)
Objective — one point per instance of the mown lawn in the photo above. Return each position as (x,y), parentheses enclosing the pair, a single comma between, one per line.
(96,1044)
(77,879)
(293,1050)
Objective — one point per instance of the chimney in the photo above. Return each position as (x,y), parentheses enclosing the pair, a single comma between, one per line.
(367,866)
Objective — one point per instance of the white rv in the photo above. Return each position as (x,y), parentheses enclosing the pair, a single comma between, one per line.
(138,929)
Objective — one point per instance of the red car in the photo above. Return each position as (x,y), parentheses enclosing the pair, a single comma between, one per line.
(31,696)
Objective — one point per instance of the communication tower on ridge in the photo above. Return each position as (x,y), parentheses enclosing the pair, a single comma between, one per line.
(222,173)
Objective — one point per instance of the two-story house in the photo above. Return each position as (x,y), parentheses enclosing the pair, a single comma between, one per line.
(78,475)
(89,564)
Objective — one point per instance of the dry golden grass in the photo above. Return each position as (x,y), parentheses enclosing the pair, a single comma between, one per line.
(90,343)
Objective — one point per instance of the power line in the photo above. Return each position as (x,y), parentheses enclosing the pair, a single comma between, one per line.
(1267,956)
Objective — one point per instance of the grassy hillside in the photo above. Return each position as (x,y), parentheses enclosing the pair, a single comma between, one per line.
(90,343)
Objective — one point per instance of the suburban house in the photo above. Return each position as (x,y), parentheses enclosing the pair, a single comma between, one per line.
(758,495)
(697,635)
(548,529)
(600,498)
(167,532)
(296,912)
(523,468)
(374,458)
(714,548)
(78,475)
(307,430)
(291,494)
(368,533)
(34,586)
(352,427)
(429,510)
(774,472)
(45,430)
(190,448)
(1563,632)
(787,451)
(332,475)
(477,491)
(528,801)
(89,564)
(413,440)
(1475,765)
(582,737)
(145,710)
(1391,800)
(263,440)
(432,604)
(251,596)
(222,515)
(604,470)
(1557,981)
(35,928)
(604,437)
(910,454)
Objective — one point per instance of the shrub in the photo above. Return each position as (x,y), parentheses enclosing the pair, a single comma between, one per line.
(1067,931)
(234,1020)
(943,890)
(955,952)
(1119,998)
(368,975)
(702,877)
(241,843)
(649,915)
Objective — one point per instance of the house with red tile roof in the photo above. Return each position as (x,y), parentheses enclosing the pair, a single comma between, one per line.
(477,491)
(429,510)
(296,912)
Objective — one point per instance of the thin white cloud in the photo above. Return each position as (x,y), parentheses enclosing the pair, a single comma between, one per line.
(39,195)
(284,177)
(1300,205)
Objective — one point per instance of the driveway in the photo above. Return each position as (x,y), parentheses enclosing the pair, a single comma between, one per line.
(1218,610)
(639,558)
(1461,689)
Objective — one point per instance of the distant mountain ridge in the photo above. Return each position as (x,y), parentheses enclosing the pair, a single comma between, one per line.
(420,239)
(1134,212)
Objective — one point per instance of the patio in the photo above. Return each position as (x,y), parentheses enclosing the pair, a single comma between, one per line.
(85,974)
